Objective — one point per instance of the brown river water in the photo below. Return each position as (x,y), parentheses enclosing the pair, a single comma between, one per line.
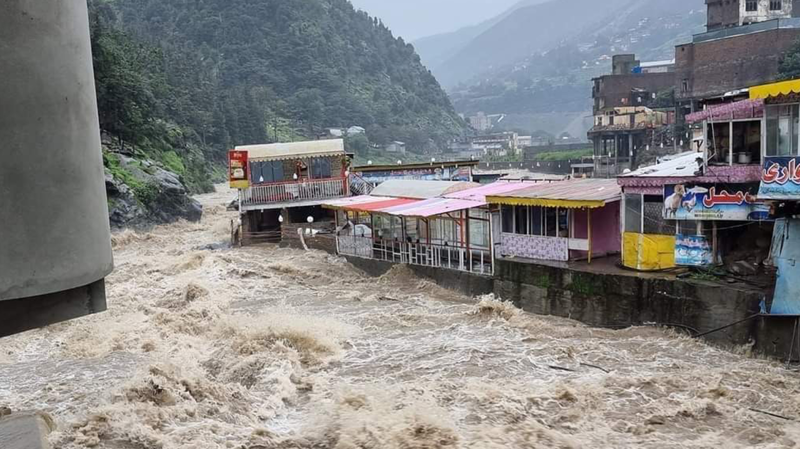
(205,346)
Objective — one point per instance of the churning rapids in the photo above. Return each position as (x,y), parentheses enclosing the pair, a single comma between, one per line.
(209,347)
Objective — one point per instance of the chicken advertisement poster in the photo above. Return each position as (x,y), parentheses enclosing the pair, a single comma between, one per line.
(735,202)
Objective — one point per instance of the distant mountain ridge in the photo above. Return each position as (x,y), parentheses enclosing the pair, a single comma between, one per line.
(532,27)
(536,62)
(434,50)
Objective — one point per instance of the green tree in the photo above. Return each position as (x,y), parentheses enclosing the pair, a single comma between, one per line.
(790,65)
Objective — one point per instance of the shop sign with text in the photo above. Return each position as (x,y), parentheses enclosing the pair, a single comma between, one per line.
(714,202)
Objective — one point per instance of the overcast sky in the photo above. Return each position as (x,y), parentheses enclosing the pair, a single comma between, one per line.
(413,19)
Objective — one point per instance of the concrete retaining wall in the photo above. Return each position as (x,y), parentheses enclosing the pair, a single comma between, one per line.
(465,283)
(622,300)
(619,300)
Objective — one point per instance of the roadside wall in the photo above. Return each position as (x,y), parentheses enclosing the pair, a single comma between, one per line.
(622,300)
(465,283)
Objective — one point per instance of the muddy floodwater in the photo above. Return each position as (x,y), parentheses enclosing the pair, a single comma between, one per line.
(204,346)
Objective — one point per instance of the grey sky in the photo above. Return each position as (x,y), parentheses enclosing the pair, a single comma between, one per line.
(413,19)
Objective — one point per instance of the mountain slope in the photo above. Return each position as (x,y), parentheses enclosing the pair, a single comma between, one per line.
(435,50)
(181,82)
(525,31)
(248,71)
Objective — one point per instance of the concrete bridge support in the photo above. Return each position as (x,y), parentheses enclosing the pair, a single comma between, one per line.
(54,233)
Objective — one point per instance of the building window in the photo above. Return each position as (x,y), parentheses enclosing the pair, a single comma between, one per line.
(685,85)
(751,5)
(783,128)
(508,219)
(262,172)
(775,5)
(320,168)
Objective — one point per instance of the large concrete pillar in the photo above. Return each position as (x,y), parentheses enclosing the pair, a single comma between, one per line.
(54,231)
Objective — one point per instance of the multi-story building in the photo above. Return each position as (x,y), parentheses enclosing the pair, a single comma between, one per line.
(501,144)
(285,183)
(733,13)
(625,115)
(481,122)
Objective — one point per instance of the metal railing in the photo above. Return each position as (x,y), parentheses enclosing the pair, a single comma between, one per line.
(360,186)
(473,260)
(294,191)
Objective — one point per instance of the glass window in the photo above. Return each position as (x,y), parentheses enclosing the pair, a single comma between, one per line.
(783,125)
(522,220)
(563,223)
(633,213)
(255,172)
(508,219)
(321,168)
(536,221)
(551,221)
(775,5)
(277,171)
(751,5)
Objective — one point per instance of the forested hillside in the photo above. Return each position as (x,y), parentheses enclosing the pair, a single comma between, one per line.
(183,81)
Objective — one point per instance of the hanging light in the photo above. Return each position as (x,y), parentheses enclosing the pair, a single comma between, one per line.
(294,176)
(310,219)
(280,218)
(346,173)
(260,179)
(369,162)
(399,162)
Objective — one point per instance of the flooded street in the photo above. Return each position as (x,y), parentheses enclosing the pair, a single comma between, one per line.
(209,347)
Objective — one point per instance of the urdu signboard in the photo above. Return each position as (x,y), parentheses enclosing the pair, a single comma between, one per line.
(702,202)
(780,179)
(693,251)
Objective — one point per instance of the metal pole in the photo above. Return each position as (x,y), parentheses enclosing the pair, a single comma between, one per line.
(589,220)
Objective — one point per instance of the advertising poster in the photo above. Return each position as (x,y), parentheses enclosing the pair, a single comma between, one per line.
(237,170)
(710,202)
(780,179)
(693,251)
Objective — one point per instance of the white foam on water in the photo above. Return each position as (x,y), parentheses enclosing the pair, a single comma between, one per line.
(263,347)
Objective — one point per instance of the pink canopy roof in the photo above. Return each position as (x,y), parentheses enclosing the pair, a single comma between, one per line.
(432,207)
(731,111)
(458,201)
(480,193)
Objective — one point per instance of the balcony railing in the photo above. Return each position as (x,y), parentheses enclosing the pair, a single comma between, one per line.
(473,260)
(294,191)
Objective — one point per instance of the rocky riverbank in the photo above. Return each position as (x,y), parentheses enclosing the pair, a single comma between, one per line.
(145,190)
(146,194)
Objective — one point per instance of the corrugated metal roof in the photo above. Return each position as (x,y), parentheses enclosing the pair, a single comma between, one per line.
(282,151)
(420,190)
(367,203)
(571,193)
(681,166)
(480,193)
(433,207)
(351,201)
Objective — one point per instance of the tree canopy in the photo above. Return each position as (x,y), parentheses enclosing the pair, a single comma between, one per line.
(206,75)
